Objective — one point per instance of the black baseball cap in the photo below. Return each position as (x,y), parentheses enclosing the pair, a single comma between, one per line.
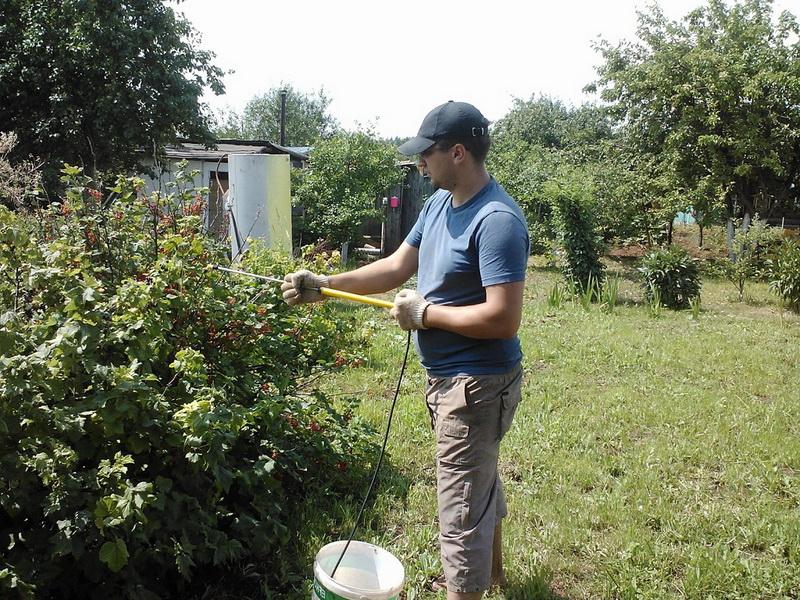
(448,120)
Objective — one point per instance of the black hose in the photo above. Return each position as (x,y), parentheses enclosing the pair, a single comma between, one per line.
(380,458)
(236,234)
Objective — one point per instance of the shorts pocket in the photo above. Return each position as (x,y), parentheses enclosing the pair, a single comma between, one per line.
(454,433)
(453,444)
(453,427)
(509,400)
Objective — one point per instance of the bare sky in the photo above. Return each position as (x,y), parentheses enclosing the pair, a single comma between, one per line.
(386,64)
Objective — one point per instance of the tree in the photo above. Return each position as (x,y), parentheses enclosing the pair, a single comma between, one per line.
(523,169)
(306,118)
(538,121)
(347,172)
(93,83)
(549,123)
(715,99)
(533,141)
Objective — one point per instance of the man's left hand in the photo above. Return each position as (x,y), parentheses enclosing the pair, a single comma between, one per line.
(409,310)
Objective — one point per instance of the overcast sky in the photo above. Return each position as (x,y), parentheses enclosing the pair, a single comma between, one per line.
(387,64)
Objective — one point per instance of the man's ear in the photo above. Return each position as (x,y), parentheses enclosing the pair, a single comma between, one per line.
(459,153)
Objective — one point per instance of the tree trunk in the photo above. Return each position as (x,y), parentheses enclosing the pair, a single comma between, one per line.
(701,234)
(747,203)
(669,232)
(729,238)
(730,230)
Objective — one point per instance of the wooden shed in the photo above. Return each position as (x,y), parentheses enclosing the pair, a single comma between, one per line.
(212,167)
(401,214)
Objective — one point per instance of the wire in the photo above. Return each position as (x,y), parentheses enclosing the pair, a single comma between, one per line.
(236,234)
(380,458)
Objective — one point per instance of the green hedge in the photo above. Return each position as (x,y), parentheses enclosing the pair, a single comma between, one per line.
(574,216)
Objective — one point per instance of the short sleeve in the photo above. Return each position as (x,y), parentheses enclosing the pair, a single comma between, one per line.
(503,246)
(414,237)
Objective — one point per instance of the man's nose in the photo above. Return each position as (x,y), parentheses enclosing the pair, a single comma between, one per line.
(421,165)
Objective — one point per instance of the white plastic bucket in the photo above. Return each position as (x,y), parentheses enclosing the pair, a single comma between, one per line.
(366,572)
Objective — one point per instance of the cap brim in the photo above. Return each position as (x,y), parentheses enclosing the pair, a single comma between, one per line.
(415,146)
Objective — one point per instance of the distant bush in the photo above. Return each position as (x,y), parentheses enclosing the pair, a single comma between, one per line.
(785,274)
(751,252)
(574,219)
(715,267)
(523,170)
(20,182)
(541,237)
(152,436)
(671,276)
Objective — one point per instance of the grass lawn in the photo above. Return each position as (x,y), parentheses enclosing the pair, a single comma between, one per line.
(652,456)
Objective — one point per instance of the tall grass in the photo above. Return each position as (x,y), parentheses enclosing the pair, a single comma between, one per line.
(609,295)
(655,304)
(557,295)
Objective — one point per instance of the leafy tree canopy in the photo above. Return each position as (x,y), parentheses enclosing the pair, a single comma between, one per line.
(715,99)
(548,122)
(347,172)
(533,141)
(91,82)
(307,118)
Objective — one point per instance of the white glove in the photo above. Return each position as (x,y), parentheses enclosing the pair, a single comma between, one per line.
(409,309)
(303,286)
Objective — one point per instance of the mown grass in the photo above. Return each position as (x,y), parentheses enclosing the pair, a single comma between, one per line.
(652,457)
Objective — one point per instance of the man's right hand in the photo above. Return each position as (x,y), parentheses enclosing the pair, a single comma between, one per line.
(302,287)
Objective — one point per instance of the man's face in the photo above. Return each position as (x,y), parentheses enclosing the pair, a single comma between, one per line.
(435,163)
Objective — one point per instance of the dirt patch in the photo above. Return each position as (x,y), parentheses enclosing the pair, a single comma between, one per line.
(632,251)
(685,236)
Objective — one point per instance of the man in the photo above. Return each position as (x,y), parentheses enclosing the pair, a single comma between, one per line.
(469,249)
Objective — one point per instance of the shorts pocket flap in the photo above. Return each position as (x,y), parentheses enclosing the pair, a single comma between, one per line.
(452,427)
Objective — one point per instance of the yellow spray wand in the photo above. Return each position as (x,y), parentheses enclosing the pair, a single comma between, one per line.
(331,293)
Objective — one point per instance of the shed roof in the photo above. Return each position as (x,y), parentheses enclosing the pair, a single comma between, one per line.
(188,150)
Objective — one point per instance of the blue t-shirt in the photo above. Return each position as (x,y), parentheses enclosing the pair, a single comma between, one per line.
(462,250)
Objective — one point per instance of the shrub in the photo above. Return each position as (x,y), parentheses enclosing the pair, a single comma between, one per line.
(785,274)
(523,170)
(751,252)
(574,218)
(153,436)
(541,237)
(671,275)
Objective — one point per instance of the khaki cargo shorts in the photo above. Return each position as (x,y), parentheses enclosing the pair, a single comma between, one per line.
(470,415)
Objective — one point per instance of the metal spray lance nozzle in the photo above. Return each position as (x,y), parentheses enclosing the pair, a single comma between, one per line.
(329,292)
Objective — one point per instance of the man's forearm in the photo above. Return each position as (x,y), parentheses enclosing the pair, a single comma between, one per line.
(480,321)
(375,278)
(498,317)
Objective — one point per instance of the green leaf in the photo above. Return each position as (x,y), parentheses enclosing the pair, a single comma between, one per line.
(114,554)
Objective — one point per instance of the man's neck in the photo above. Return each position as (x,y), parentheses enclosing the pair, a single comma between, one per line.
(469,185)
